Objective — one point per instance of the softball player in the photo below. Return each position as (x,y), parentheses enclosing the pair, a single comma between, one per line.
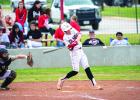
(72,41)
(5,74)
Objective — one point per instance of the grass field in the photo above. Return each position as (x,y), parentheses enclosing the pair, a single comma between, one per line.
(4,2)
(100,72)
(121,12)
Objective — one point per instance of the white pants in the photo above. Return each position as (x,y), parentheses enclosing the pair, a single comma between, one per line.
(7,73)
(32,44)
(78,58)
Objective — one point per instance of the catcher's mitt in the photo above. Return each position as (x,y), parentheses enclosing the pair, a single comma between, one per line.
(29,59)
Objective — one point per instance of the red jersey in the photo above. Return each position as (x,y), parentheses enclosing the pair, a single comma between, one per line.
(75,25)
(59,34)
(41,21)
(21,16)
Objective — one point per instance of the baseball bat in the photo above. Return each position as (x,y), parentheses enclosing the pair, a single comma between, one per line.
(48,51)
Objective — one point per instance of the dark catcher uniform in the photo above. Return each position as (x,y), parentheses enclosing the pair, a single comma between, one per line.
(5,74)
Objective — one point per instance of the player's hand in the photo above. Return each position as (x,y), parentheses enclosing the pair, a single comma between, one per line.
(72,45)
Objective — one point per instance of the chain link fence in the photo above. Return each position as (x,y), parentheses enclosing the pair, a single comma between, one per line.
(122,16)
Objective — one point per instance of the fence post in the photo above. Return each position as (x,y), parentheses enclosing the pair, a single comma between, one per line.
(136,10)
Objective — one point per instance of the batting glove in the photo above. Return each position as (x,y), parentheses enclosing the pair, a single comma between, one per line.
(72,45)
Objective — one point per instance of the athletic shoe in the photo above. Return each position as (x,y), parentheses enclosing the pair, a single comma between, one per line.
(98,87)
(4,88)
(60,84)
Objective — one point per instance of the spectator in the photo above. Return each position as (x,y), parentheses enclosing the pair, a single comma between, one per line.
(93,41)
(4,39)
(74,23)
(43,23)
(43,20)
(21,14)
(59,37)
(35,12)
(16,37)
(34,36)
(119,41)
(20,26)
(2,21)
(9,21)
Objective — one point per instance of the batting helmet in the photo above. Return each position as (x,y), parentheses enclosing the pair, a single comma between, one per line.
(65,26)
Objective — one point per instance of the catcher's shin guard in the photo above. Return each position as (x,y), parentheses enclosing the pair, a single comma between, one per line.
(70,74)
(9,79)
(90,76)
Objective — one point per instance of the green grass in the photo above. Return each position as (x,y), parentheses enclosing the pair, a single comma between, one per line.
(49,2)
(134,39)
(121,12)
(100,72)
(4,2)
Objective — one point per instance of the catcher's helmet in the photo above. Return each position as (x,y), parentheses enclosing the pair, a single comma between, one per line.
(65,26)
(3,50)
(1,28)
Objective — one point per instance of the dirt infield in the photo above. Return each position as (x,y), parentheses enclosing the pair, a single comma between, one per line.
(73,90)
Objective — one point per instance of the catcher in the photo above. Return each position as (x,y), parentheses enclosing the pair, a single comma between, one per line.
(5,60)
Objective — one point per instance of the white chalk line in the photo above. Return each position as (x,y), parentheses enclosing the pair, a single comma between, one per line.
(24,95)
(133,88)
(91,97)
(82,96)
(67,96)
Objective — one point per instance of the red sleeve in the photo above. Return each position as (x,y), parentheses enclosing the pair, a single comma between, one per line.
(56,33)
(75,25)
(59,34)
(40,22)
(23,18)
(24,15)
(17,15)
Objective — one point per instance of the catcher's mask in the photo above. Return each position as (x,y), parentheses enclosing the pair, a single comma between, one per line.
(4,54)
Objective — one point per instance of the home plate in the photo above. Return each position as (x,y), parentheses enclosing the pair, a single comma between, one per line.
(67,91)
